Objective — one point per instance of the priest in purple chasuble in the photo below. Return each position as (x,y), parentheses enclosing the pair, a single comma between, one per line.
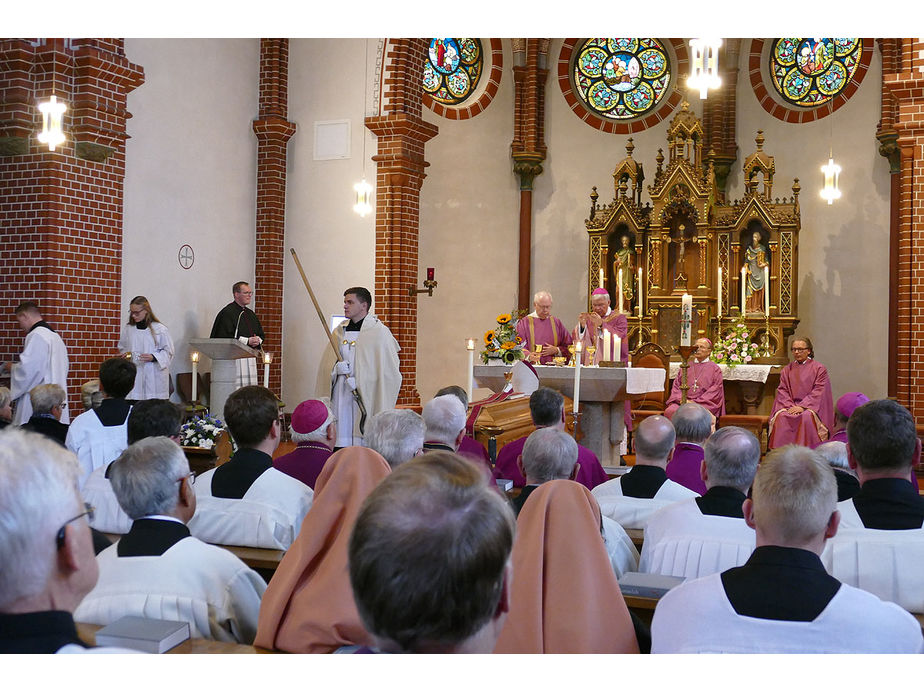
(803,410)
(704,382)
(539,327)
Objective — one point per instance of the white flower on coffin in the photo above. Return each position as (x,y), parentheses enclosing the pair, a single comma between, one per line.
(207,444)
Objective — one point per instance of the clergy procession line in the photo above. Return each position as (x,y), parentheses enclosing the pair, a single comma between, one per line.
(394,535)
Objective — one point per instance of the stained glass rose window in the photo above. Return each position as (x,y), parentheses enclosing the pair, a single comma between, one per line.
(808,72)
(452,69)
(621,78)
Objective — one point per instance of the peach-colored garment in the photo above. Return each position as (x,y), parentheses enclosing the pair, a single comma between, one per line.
(564,597)
(308,606)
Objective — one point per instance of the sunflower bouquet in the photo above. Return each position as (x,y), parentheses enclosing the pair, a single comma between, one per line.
(502,342)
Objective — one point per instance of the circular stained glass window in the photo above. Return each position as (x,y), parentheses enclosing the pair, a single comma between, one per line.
(621,78)
(808,72)
(452,69)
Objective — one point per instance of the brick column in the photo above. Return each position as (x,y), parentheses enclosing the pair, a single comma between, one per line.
(528,147)
(402,134)
(61,211)
(906,87)
(273,131)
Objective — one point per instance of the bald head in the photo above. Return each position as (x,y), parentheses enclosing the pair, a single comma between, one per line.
(654,441)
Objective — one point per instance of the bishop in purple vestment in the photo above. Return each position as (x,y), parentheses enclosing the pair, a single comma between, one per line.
(803,410)
(704,381)
(313,430)
(540,327)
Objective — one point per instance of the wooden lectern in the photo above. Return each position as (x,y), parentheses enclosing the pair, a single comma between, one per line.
(226,369)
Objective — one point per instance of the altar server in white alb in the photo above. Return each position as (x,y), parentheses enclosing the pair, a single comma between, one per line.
(369,365)
(43,361)
(146,341)
(781,600)
(245,501)
(158,570)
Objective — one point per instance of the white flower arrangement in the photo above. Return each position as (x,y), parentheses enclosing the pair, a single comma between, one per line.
(201,432)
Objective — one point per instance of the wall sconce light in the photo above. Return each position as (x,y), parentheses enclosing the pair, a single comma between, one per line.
(429,284)
(51,133)
(705,72)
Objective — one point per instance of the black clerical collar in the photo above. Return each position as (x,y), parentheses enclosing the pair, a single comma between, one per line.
(38,632)
(142,325)
(723,501)
(889,503)
(436,445)
(151,537)
(642,481)
(41,323)
(354,326)
(112,411)
(234,478)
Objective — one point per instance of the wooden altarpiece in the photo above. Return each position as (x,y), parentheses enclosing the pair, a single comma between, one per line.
(685,233)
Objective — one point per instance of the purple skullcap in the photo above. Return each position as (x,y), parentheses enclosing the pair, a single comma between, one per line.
(600,292)
(309,416)
(850,401)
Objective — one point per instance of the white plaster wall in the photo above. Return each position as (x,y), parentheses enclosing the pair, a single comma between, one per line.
(469,230)
(190,178)
(335,246)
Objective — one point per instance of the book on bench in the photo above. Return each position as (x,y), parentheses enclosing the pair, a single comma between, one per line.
(648,584)
(143,634)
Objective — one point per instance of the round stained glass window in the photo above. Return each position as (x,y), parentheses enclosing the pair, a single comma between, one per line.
(808,72)
(452,69)
(621,78)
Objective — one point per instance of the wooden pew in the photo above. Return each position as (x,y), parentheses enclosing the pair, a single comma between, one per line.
(87,633)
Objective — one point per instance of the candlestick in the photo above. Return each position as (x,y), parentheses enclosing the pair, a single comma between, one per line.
(686,319)
(767,290)
(719,306)
(470,346)
(601,277)
(577,377)
(267,360)
(606,345)
(640,299)
(619,282)
(744,278)
(195,375)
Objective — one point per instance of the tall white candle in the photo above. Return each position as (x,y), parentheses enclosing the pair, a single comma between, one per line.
(606,346)
(267,360)
(719,308)
(619,281)
(577,375)
(744,278)
(617,356)
(470,346)
(686,319)
(601,277)
(766,289)
(640,295)
(195,375)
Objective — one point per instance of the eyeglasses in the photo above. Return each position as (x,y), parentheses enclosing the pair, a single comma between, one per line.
(191,476)
(89,511)
(800,349)
(137,312)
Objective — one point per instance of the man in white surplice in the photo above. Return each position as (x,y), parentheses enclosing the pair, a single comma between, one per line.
(369,364)
(43,361)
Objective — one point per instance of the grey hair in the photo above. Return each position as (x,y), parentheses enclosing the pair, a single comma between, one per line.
(835,454)
(144,477)
(549,454)
(444,417)
(692,423)
(396,434)
(732,454)
(606,296)
(5,396)
(38,494)
(540,294)
(319,434)
(794,494)
(46,397)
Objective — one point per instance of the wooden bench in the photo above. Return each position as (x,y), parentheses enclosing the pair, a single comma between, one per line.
(87,633)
